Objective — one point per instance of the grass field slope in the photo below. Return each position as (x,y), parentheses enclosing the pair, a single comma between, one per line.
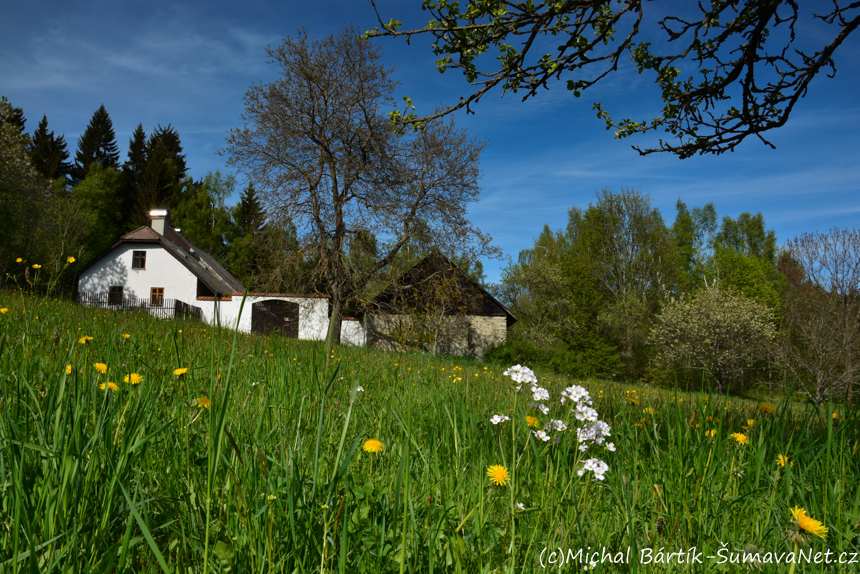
(132,444)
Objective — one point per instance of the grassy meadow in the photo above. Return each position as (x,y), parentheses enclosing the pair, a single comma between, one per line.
(254,460)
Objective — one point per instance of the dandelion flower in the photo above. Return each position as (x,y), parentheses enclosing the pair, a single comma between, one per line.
(70,260)
(109,386)
(532,422)
(133,379)
(19,260)
(372,445)
(203,402)
(750,422)
(766,408)
(497,474)
(126,336)
(782,460)
(36,266)
(85,340)
(711,433)
(740,438)
(101,367)
(180,372)
(69,369)
(806,523)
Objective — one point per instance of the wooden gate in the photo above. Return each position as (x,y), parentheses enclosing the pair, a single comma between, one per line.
(275,316)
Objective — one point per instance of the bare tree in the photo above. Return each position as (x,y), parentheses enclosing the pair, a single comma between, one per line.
(318,142)
(820,342)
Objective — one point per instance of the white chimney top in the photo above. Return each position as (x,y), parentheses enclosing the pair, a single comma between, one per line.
(159,221)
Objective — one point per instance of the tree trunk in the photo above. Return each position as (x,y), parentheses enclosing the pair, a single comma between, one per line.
(333,337)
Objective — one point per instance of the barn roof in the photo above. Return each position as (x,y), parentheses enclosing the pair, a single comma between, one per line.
(414,284)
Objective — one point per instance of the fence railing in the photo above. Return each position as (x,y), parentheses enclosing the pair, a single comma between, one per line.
(167,309)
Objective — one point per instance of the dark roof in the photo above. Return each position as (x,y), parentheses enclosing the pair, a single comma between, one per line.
(413,285)
(201,264)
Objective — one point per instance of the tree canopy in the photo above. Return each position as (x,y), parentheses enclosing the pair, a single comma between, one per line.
(96,145)
(726,70)
(317,143)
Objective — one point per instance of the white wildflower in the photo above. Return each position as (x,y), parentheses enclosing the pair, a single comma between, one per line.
(496,419)
(541,435)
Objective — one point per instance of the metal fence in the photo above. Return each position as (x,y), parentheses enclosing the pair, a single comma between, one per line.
(169,308)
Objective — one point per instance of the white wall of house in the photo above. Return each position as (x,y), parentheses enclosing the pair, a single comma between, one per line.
(313,314)
(162,270)
(352,333)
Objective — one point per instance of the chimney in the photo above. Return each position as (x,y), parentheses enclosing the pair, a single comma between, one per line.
(159,221)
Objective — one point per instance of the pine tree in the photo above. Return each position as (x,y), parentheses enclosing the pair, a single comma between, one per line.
(132,174)
(48,153)
(247,252)
(97,144)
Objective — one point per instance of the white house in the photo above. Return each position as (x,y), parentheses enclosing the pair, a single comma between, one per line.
(155,267)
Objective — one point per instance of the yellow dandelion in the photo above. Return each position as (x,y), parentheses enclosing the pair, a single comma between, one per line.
(85,340)
(126,336)
(766,408)
(109,386)
(36,266)
(19,260)
(740,438)
(497,474)
(532,422)
(70,260)
(750,422)
(69,369)
(133,379)
(4,310)
(372,445)
(711,433)
(203,402)
(807,523)
(102,368)
(180,372)
(782,460)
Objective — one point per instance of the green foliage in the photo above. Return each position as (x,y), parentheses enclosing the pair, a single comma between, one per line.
(713,329)
(202,215)
(23,190)
(99,198)
(162,173)
(96,145)
(132,176)
(48,153)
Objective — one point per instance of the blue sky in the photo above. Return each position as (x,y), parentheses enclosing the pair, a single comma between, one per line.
(190,63)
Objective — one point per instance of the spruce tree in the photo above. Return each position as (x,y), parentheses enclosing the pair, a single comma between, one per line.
(48,153)
(162,173)
(250,215)
(97,144)
(14,116)
(132,174)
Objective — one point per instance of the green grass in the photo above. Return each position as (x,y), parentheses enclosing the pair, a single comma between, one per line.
(272,477)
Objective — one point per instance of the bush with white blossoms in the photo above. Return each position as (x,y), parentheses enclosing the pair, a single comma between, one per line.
(592,432)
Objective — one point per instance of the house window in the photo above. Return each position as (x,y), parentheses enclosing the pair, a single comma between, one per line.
(115,295)
(156,297)
(138,260)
